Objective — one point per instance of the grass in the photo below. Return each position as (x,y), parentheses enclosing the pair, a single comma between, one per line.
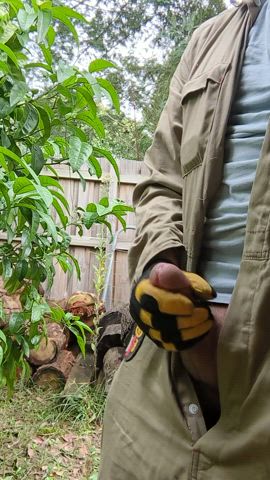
(45,436)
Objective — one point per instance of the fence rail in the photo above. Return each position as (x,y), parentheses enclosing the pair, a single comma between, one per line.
(84,247)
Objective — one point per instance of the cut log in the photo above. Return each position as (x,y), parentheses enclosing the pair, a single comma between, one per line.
(11,303)
(45,353)
(54,375)
(82,373)
(110,334)
(84,305)
(59,334)
(48,348)
(111,362)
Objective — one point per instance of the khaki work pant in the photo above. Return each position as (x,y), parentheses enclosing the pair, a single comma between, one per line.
(147,434)
(153,425)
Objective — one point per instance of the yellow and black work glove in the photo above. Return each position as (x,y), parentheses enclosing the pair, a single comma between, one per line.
(172,320)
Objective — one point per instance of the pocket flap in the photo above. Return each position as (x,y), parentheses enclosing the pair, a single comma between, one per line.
(216,74)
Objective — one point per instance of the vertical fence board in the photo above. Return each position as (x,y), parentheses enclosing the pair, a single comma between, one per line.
(84,248)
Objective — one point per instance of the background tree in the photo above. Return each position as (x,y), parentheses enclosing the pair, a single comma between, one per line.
(43,125)
(146,39)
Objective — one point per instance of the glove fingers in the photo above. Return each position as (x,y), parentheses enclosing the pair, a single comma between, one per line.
(171,332)
(200,286)
(196,332)
(199,315)
(164,301)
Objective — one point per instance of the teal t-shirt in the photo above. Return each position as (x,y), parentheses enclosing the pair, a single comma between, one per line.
(226,218)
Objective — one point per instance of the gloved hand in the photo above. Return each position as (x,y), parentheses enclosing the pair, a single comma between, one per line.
(170,306)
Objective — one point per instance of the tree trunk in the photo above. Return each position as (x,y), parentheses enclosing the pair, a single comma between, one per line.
(54,375)
(49,347)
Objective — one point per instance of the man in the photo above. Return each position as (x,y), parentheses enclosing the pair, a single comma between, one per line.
(198,407)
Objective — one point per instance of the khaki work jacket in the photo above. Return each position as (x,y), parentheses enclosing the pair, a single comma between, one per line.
(186,157)
(186,165)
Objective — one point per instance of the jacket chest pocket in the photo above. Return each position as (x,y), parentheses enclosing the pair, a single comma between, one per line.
(199,101)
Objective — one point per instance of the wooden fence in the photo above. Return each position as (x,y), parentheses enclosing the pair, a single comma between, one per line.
(84,248)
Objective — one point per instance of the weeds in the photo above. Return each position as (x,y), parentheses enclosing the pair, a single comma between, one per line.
(87,403)
(44,436)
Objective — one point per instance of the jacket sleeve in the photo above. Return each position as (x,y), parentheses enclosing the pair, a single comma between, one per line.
(158,199)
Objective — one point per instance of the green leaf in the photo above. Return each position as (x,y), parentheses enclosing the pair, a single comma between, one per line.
(64,263)
(1,355)
(104,201)
(84,326)
(94,163)
(34,226)
(100,64)
(38,161)
(7,32)
(3,336)
(44,21)
(15,4)
(89,219)
(4,191)
(21,269)
(45,195)
(4,67)
(50,224)
(69,12)
(102,152)
(46,181)
(9,53)
(51,36)
(76,264)
(47,54)
(35,340)
(38,65)
(45,122)
(93,84)
(59,15)
(15,322)
(81,344)
(23,185)
(18,92)
(59,210)
(104,83)
(5,139)
(28,122)
(62,199)
(93,122)
(78,153)
(7,269)
(5,108)
(91,207)
(26,18)
(89,98)
(64,72)
(38,311)
(3,163)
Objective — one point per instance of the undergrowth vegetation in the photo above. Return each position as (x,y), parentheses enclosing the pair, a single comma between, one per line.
(46,436)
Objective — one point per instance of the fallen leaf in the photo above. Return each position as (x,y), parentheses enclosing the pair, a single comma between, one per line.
(83,451)
(30,452)
(39,440)
(69,437)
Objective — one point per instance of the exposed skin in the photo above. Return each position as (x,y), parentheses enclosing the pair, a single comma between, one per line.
(201,360)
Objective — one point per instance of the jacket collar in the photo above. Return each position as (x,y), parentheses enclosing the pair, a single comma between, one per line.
(253,7)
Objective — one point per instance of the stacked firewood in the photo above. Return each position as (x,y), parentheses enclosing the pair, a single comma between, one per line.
(57,353)
(58,359)
(52,361)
